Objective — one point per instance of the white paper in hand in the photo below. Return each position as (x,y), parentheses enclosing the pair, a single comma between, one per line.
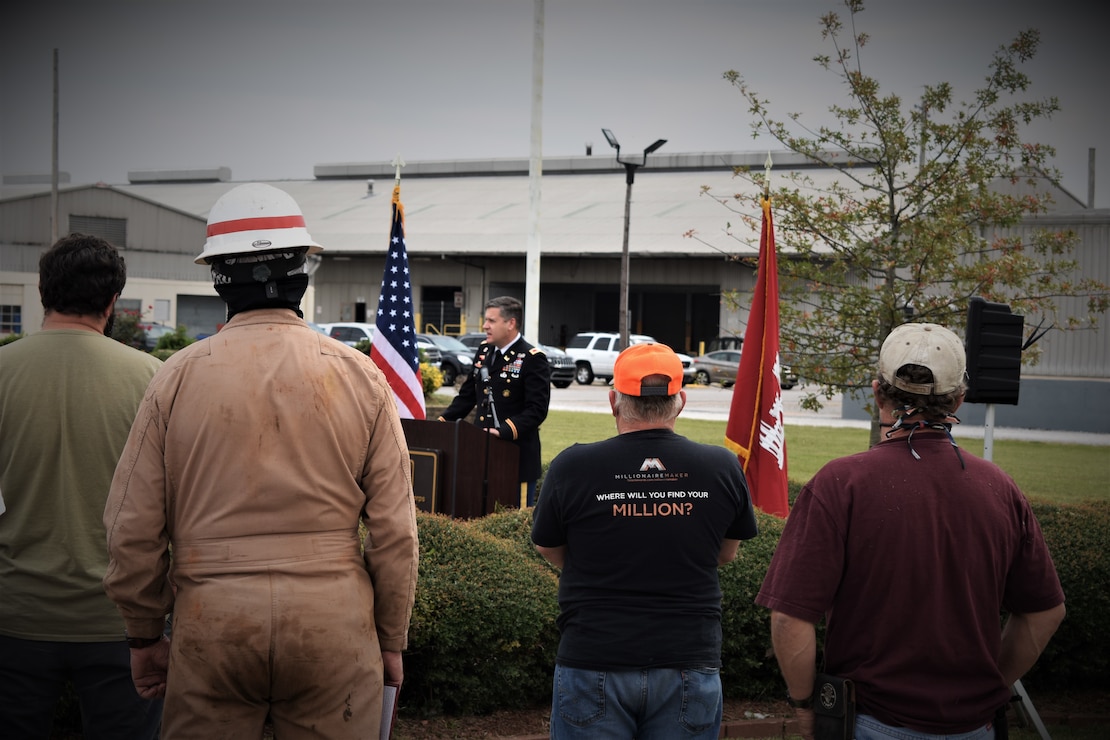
(389,708)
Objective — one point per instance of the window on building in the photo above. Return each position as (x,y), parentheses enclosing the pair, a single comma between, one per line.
(11,309)
(134,305)
(114,230)
(11,319)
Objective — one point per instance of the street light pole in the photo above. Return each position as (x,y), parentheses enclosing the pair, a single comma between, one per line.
(625,266)
(630,166)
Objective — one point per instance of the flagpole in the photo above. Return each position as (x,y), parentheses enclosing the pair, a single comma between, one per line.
(394,349)
(755,430)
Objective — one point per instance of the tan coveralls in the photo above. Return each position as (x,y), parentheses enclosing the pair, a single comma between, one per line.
(253,456)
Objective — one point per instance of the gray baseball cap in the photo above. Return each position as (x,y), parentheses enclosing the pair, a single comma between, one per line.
(928,345)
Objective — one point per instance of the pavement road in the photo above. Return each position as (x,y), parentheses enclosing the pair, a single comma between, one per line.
(702,402)
(713,402)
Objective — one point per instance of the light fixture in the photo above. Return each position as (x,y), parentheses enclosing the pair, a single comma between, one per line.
(630,166)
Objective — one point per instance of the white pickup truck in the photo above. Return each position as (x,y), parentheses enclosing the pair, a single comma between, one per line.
(595,352)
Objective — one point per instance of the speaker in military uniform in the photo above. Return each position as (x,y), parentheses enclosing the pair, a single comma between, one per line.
(510,384)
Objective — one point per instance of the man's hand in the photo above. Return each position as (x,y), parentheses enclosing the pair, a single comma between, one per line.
(149,666)
(805,719)
(394,668)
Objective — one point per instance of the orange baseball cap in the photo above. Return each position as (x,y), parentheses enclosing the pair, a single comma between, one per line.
(643,360)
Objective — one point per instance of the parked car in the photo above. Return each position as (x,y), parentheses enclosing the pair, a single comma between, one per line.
(458,359)
(350,332)
(724,342)
(353,332)
(430,353)
(562,367)
(595,352)
(721,367)
(152,333)
(318,327)
(473,338)
(717,367)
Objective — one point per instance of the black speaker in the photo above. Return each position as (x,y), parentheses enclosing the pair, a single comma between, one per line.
(994,341)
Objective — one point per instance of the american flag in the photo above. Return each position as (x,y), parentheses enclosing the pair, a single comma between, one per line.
(394,346)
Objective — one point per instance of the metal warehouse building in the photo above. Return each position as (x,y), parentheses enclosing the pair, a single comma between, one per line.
(467,231)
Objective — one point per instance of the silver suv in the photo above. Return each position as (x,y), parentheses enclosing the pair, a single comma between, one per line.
(595,352)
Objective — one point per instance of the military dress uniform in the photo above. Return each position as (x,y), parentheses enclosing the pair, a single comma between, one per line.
(518,382)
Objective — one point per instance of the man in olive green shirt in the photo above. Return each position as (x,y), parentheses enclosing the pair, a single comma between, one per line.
(68,396)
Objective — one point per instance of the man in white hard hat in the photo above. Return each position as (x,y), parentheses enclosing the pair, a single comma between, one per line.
(254,456)
(911,550)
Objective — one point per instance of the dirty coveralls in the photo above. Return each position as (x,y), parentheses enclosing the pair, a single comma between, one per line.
(236,505)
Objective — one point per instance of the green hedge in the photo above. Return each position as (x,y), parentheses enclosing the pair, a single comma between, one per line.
(483,633)
(748,665)
(1078,656)
(460,556)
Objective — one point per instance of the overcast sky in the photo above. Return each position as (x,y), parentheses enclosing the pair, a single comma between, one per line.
(271,88)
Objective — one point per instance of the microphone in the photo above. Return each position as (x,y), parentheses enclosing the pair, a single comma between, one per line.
(489,396)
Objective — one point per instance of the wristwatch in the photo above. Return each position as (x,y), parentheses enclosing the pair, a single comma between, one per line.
(138,643)
(806,703)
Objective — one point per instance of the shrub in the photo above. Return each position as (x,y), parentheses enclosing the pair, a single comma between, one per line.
(1078,656)
(748,666)
(514,527)
(483,633)
(126,329)
(1079,653)
(432,377)
(177,339)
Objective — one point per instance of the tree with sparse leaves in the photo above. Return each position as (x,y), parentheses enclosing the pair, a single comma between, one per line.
(915,222)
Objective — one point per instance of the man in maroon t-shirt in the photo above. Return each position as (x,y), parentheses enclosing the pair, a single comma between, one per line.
(910,551)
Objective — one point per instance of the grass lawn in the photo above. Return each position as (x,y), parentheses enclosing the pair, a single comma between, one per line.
(1048,471)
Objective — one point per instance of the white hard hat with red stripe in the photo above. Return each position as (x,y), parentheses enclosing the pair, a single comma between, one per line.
(255,218)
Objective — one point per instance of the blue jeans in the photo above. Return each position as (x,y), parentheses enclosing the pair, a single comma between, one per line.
(869,728)
(33,674)
(654,704)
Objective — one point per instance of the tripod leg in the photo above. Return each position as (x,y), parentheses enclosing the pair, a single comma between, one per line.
(1028,713)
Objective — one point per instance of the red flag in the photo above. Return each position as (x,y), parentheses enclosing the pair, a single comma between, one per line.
(755,430)
(394,346)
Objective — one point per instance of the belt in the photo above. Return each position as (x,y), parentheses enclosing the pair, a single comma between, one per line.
(268,548)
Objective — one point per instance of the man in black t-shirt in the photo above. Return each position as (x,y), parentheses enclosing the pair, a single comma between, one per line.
(639,524)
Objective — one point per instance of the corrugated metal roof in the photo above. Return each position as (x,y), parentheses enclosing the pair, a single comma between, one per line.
(487,212)
(579,214)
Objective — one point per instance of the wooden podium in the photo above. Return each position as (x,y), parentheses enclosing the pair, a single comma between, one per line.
(461,470)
